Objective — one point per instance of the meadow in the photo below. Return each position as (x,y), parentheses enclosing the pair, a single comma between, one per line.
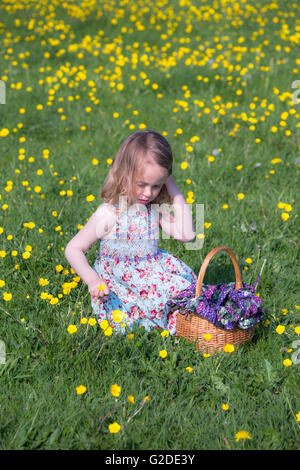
(220,79)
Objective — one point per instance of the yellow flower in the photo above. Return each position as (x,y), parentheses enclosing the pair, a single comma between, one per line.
(240,196)
(118,315)
(165,333)
(131,398)
(4,132)
(115,390)
(26,255)
(72,329)
(242,435)
(92,321)
(184,165)
(280,329)
(239,167)
(207,336)
(189,369)
(225,406)
(7,296)
(206,355)
(108,331)
(297,330)
(130,336)
(287,362)
(2,283)
(285,216)
(59,268)
(225,206)
(43,282)
(298,416)
(276,160)
(114,428)
(288,207)
(80,389)
(163,353)
(104,324)
(83,321)
(90,198)
(248,260)
(229,348)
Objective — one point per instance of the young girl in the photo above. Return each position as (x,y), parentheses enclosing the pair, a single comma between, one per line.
(132,279)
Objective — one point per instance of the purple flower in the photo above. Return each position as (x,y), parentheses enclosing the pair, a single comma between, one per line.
(221,305)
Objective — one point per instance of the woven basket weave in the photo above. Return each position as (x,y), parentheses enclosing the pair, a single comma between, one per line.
(196,328)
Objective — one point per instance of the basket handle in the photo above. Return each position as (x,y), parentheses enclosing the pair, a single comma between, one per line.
(238,277)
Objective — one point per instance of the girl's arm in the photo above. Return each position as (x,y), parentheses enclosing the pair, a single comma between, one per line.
(81,242)
(180,225)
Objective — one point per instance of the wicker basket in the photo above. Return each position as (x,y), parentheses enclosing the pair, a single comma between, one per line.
(194,327)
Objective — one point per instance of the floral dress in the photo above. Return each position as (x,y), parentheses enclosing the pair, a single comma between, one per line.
(141,277)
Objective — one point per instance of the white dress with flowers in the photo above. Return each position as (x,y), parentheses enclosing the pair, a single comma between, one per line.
(141,277)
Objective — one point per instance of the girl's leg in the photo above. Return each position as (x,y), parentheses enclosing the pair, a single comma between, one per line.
(172,321)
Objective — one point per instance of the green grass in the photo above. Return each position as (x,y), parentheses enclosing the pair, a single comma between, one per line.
(40,408)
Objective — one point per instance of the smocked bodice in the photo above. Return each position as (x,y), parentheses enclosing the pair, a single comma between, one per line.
(135,234)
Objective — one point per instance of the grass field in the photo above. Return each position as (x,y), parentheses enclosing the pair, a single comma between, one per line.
(219,79)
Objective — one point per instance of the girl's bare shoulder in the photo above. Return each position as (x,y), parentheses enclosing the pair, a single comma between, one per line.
(106,215)
(107,208)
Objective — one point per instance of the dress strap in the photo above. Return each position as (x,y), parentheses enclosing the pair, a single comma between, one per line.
(149,219)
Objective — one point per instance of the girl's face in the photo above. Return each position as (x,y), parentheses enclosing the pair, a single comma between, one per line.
(149,183)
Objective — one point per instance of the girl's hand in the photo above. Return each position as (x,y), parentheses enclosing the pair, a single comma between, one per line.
(98,290)
(172,187)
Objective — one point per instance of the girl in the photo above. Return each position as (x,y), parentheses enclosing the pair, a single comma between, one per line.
(132,279)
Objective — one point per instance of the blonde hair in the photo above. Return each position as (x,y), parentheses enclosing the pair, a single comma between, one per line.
(135,151)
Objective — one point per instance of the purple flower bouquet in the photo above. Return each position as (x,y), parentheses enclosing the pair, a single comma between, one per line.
(221,304)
